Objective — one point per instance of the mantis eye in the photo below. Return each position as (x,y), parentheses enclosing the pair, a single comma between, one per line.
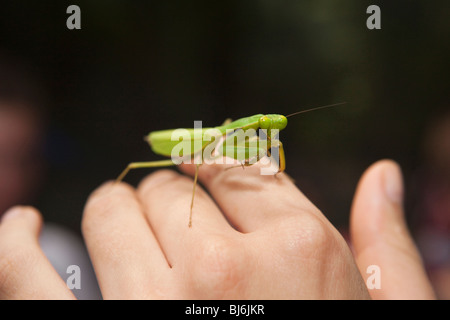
(265,122)
(281,122)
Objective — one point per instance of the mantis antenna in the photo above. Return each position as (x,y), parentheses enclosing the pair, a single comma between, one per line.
(317,108)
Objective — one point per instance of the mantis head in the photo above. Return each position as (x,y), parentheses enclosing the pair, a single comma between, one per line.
(273,121)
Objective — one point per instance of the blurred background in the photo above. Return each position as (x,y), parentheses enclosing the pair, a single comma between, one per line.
(85,98)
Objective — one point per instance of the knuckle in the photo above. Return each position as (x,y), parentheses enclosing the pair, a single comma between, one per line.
(101,209)
(156,180)
(32,213)
(27,214)
(219,265)
(305,236)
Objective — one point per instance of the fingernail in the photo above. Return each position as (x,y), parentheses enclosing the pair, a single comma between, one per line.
(393,183)
(11,214)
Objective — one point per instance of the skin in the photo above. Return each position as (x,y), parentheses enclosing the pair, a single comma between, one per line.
(281,246)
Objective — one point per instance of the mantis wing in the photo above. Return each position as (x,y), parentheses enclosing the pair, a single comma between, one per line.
(162,142)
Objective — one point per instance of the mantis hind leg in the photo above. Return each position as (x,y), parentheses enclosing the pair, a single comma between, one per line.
(156,164)
(138,165)
(193,194)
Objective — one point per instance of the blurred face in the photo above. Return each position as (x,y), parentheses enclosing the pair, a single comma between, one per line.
(437,193)
(20,156)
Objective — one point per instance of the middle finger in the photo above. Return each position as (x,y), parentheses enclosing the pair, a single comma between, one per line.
(166,197)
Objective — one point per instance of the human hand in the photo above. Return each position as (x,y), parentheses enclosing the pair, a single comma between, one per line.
(281,246)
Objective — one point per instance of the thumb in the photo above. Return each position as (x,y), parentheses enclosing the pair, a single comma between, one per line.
(385,252)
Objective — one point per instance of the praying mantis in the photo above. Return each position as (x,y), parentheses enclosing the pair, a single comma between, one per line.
(247,149)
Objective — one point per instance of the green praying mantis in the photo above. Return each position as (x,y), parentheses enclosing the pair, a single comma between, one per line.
(241,140)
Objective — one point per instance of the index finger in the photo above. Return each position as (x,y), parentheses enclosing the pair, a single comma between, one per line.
(25,272)
(126,255)
(250,200)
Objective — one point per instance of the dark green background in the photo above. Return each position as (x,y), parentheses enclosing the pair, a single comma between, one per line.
(137,66)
